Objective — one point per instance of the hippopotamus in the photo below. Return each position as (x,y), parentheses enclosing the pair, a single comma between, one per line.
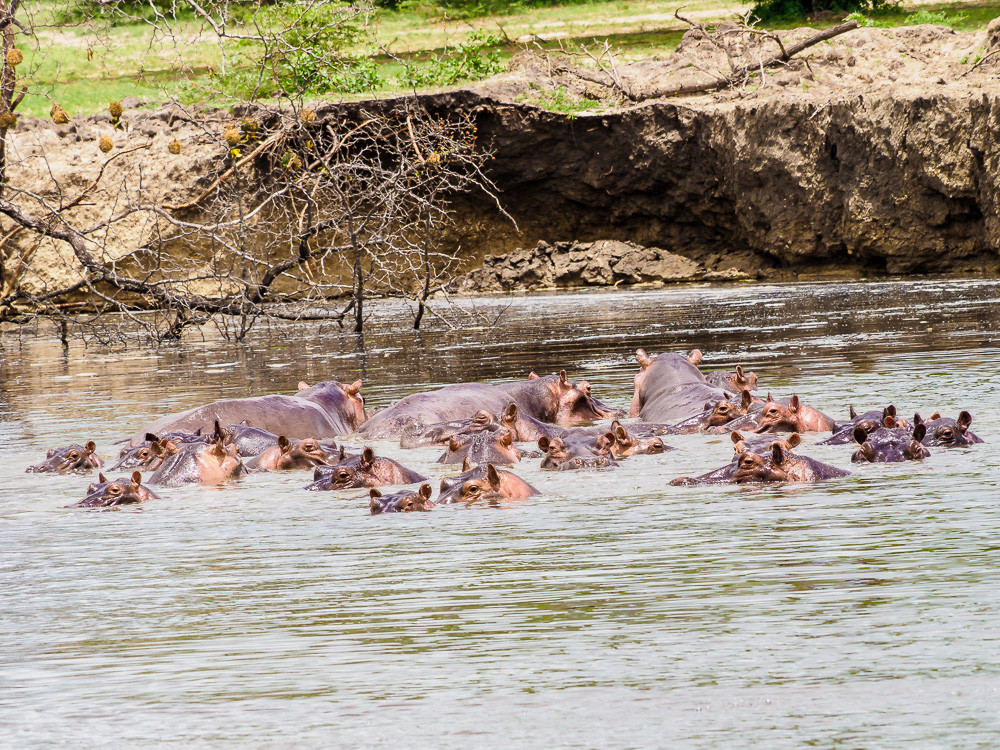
(150,454)
(201,463)
(591,454)
(722,416)
(554,399)
(869,421)
(947,432)
(483,448)
(70,458)
(734,382)
(363,470)
(325,410)
(407,501)
(760,444)
(793,416)
(890,444)
(288,455)
(121,491)
(628,444)
(417,435)
(249,441)
(484,483)
(671,388)
(775,464)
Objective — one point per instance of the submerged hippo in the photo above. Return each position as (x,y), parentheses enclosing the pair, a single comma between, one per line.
(763,443)
(483,448)
(554,399)
(324,410)
(407,501)
(582,454)
(722,416)
(289,455)
(869,421)
(631,444)
(418,435)
(947,432)
(775,464)
(200,463)
(363,470)
(121,491)
(71,458)
(737,381)
(670,388)
(150,454)
(793,416)
(484,483)
(890,444)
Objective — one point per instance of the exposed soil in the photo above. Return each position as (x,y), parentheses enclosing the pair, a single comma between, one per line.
(875,152)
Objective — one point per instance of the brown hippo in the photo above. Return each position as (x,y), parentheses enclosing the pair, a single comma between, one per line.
(363,470)
(594,453)
(737,381)
(628,444)
(773,465)
(890,444)
(483,448)
(407,501)
(486,483)
(947,432)
(417,435)
(671,388)
(121,491)
(554,399)
(200,463)
(289,455)
(792,417)
(70,458)
(324,410)
(150,454)
(721,416)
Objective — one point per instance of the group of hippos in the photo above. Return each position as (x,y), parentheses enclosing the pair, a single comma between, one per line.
(481,426)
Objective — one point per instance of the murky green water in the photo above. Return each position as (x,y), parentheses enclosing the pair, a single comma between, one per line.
(616,611)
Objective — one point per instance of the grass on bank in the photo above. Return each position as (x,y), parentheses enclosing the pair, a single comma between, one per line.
(83,72)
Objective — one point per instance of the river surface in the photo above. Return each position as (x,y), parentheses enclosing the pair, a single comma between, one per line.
(614,611)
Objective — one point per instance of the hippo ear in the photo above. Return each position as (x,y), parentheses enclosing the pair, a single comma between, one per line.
(643,359)
(935,415)
(916,419)
(860,434)
(218,435)
(853,414)
(739,374)
(343,453)
(245,423)
(608,438)
(889,421)
(620,434)
(890,410)
(367,457)
(543,443)
(564,379)
(964,421)
(101,478)
(453,445)
(777,454)
(746,400)
(532,375)
(868,452)
(303,385)
(695,357)
(284,444)
(770,398)
(198,432)
(915,450)
(149,437)
(506,440)
(156,448)
(50,452)
(793,405)
(735,437)
(510,414)
(425,491)
(374,493)
(708,405)
(91,446)
(793,440)
(353,389)
(919,432)
(492,475)
(136,478)
(465,465)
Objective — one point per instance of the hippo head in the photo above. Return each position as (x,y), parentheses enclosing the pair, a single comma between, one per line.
(401,502)
(742,445)
(570,403)
(949,433)
(483,447)
(489,487)
(562,457)
(741,381)
(626,444)
(753,467)
(304,454)
(345,399)
(725,411)
(890,445)
(121,491)
(795,417)
(79,458)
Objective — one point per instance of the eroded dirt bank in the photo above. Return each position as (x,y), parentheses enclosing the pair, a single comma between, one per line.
(873,152)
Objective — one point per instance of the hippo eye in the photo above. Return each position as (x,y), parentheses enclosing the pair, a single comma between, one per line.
(114,489)
(72,456)
(406,504)
(471,489)
(143,453)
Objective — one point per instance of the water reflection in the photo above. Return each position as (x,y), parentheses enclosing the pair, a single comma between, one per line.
(614,611)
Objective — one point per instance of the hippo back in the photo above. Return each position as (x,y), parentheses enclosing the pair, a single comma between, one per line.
(452,402)
(671,389)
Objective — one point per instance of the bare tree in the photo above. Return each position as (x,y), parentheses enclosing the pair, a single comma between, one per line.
(304,205)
